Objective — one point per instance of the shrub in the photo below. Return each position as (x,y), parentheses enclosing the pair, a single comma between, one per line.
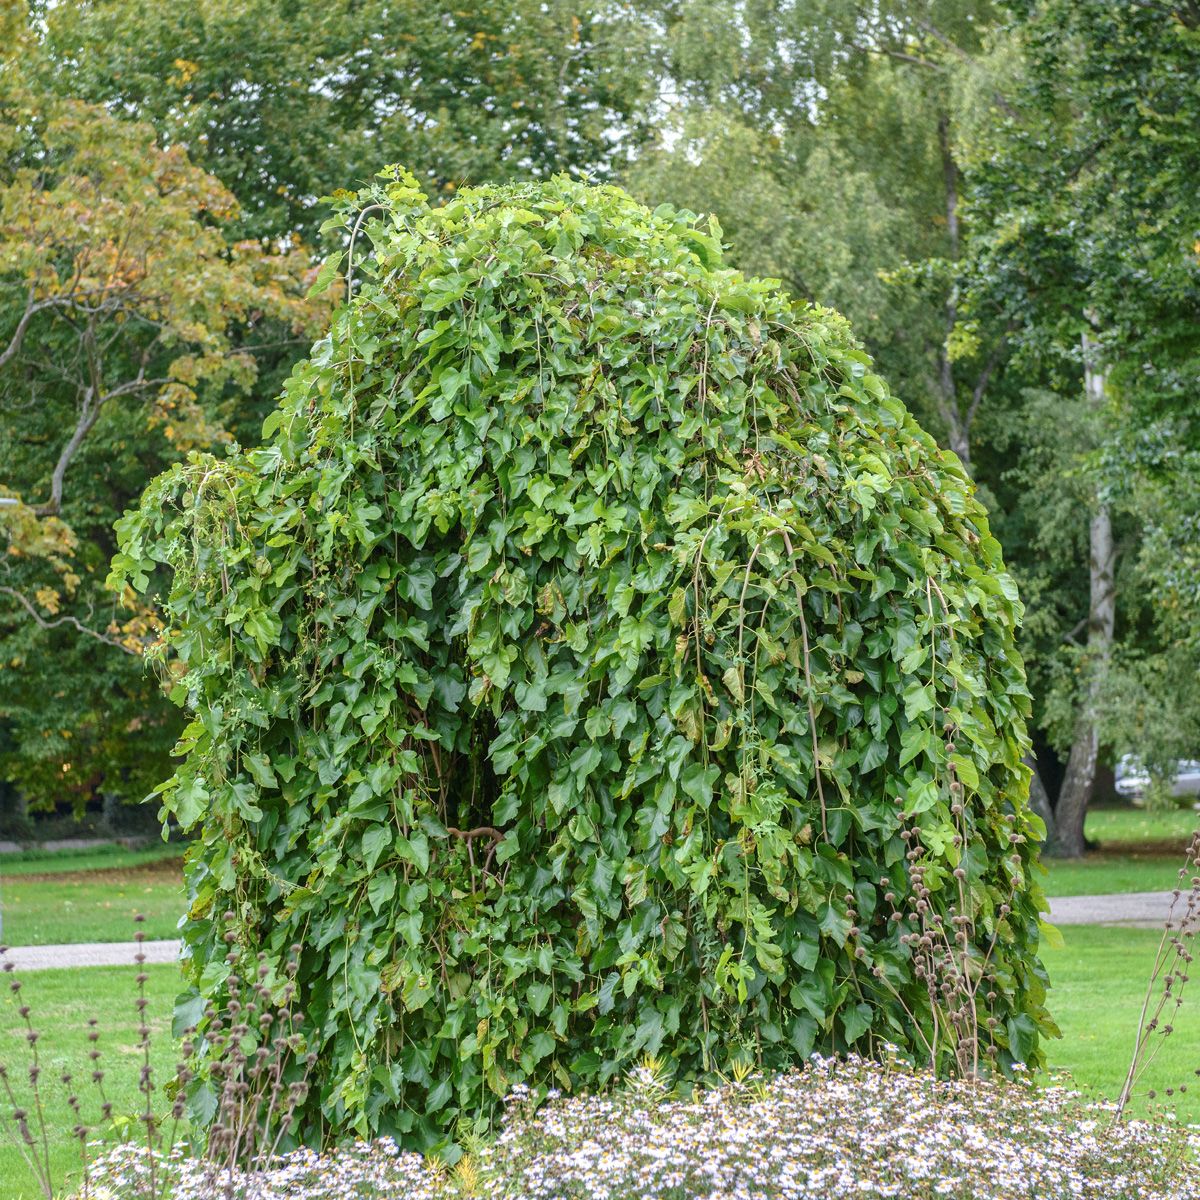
(594,660)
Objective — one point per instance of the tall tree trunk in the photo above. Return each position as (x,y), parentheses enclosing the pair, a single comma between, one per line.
(1039,800)
(958,431)
(959,437)
(1080,776)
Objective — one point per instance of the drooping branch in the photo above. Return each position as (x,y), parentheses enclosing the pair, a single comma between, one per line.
(68,297)
(985,376)
(948,402)
(930,64)
(89,414)
(66,619)
(950,181)
(902,56)
(1187,13)
(468,835)
(94,400)
(32,308)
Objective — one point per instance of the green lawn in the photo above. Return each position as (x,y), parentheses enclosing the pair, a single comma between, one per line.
(92,858)
(1102,875)
(1126,825)
(92,895)
(1138,852)
(61,1003)
(1098,980)
(1098,977)
(91,906)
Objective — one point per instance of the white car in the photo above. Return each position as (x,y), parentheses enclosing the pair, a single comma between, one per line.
(1132,779)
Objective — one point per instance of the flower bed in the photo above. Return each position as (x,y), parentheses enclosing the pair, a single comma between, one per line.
(835,1130)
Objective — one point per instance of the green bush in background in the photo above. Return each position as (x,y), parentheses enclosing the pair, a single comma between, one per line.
(568,666)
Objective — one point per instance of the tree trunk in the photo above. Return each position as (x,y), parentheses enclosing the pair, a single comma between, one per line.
(1080,777)
(958,433)
(1039,801)
(960,444)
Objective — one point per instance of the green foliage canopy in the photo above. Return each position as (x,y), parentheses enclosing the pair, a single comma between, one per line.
(568,665)
(1085,213)
(277,99)
(270,100)
(128,322)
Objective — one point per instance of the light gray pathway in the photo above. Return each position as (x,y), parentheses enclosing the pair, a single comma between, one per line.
(88,954)
(1138,910)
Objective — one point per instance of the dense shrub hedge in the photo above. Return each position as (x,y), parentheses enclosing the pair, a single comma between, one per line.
(574,666)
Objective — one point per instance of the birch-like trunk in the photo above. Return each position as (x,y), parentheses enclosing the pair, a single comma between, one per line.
(1080,777)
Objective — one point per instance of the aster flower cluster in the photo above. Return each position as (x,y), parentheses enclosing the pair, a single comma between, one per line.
(373,1169)
(837,1129)
(840,1129)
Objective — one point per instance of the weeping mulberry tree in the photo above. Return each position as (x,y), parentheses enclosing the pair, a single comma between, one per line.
(595,660)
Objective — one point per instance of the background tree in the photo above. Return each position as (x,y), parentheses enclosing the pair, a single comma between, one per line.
(1088,226)
(976,185)
(190,144)
(1006,181)
(284,101)
(825,138)
(126,322)
(830,140)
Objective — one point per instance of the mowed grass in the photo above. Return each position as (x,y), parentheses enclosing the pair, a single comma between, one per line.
(48,907)
(1129,825)
(1098,977)
(1098,982)
(93,894)
(1103,875)
(88,858)
(1137,852)
(61,1002)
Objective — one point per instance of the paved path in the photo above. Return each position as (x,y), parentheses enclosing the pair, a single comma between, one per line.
(88,954)
(1138,910)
